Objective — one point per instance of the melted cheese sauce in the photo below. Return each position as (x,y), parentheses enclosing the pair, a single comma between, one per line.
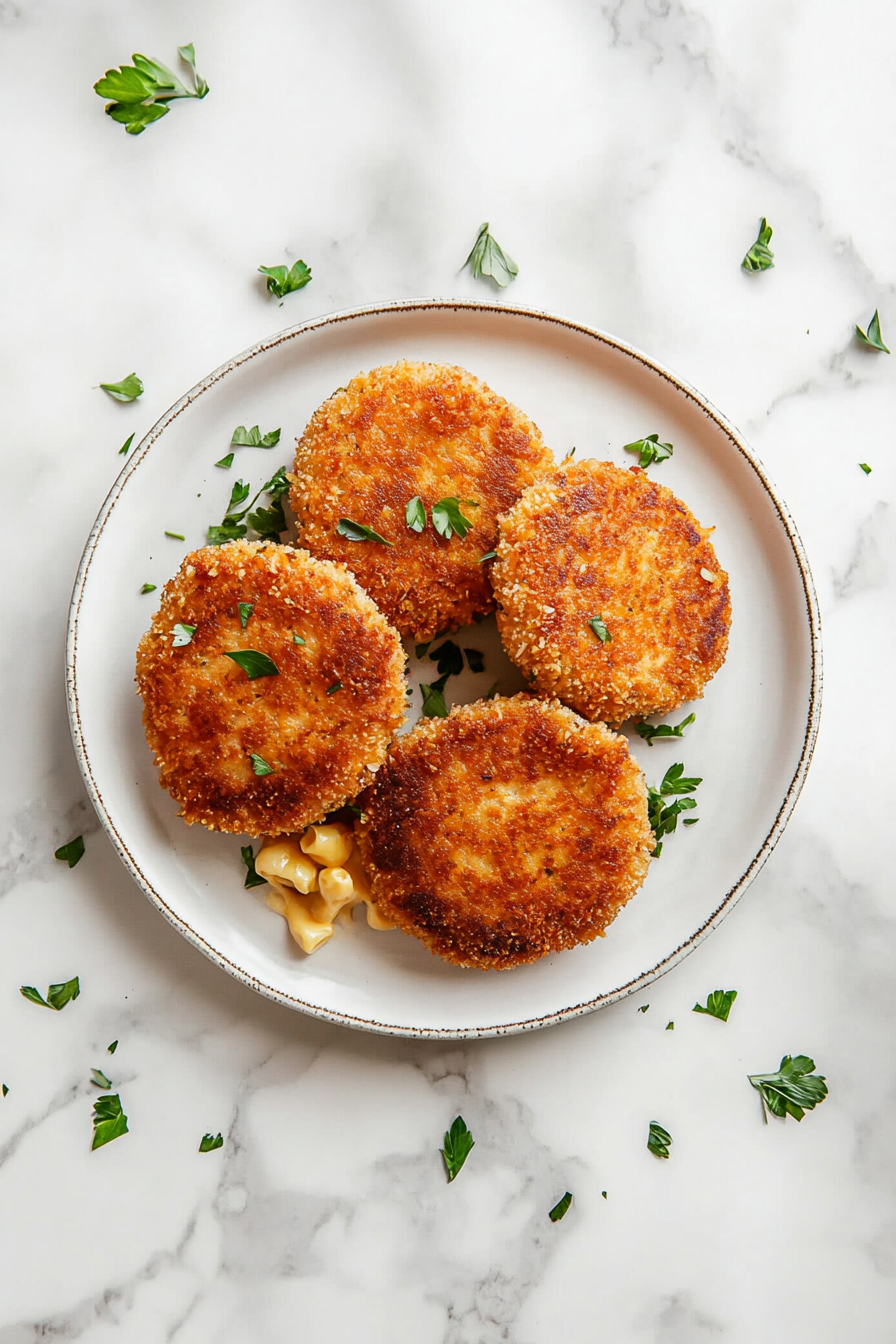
(315,878)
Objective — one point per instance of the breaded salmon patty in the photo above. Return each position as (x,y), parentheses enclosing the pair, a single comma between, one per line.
(609,593)
(506,831)
(274,739)
(414,431)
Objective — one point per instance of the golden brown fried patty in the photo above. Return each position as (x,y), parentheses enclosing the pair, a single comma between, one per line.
(594,540)
(511,829)
(205,718)
(406,430)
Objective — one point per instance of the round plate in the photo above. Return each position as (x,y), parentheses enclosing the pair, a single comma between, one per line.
(751,742)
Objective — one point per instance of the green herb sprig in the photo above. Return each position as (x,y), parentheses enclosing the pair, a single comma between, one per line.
(760,256)
(663,817)
(254,663)
(488,258)
(458,1146)
(253,879)
(359,532)
(649,450)
(268,522)
(253,438)
(651,732)
(415,514)
(434,706)
(447,518)
(281,281)
(793,1090)
(141,92)
(129,389)
(872,337)
(448,659)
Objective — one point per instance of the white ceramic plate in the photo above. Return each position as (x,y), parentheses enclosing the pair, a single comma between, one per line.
(582,388)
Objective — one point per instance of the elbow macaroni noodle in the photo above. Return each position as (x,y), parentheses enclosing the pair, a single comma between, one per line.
(313,879)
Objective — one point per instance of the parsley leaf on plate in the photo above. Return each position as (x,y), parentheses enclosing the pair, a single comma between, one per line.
(447,517)
(458,1146)
(226,461)
(793,1090)
(434,706)
(209,1142)
(872,336)
(560,1208)
(718,1004)
(71,853)
(176,536)
(649,450)
(448,659)
(123,450)
(491,692)
(109,1120)
(358,532)
(129,389)
(415,514)
(658,1140)
(487,258)
(475,660)
(281,281)
(253,438)
(254,663)
(865,467)
(57,995)
(663,817)
(252,877)
(141,92)
(112,1048)
(651,732)
(760,256)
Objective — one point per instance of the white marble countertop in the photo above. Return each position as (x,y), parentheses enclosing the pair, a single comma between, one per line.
(623,153)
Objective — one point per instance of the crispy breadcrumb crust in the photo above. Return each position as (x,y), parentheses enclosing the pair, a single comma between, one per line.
(509,830)
(204,717)
(407,429)
(592,540)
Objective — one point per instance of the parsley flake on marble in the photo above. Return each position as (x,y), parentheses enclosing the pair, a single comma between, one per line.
(560,1208)
(125,447)
(141,92)
(148,588)
(245,609)
(872,336)
(358,532)
(71,853)
(865,467)
(760,257)
(209,1142)
(597,627)
(434,706)
(415,514)
(793,1090)
(658,1140)
(252,877)
(226,461)
(448,659)
(281,281)
(129,389)
(254,663)
(651,732)
(718,1004)
(112,1048)
(447,518)
(649,450)
(253,438)
(260,766)
(662,816)
(99,1079)
(57,995)
(182,635)
(458,1146)
(488,258)
(109,1120)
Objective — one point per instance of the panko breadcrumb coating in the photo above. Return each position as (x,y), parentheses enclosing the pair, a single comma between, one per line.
(406,430)
(509,830)
(595,540)
(322,724)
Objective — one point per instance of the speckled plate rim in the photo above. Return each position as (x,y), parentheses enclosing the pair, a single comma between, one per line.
(392,1028)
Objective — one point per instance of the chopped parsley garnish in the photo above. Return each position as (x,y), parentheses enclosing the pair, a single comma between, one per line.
(71,853)
(644,1007)
(475,660)
(281,281)
(718,1004)
(663,817)
(489,555)
(872,336)
(141,92)
(297,639)
(458,1146)
(226,461)
(447,518)
(651,732)
(248,857)
(148,588)
(670,1026)
(177,536)
(99,1079)
(209,1142)
(57,995)
(123,450)
(448,659)
(245,609)
(760,256)
(793,1090)
(267,522)
(492,691)
(253,663)
(337,686)
(865,467)
(5,1090)
(129,389)
(415,514)
(112,1048)
(487,258)
(182,635)
(109,1120)
(658,1140)
(561,1207)
(358,532)
(596,625)
(260,765)
(649,450)
(253,438)
(434,706)
(420,650)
